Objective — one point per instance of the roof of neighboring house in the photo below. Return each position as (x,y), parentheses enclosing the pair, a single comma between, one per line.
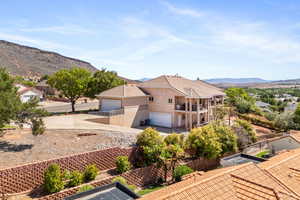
(23,89)
(285,167)
(113,191)
(186,87)
(246,181)
(261,104)
(129,90)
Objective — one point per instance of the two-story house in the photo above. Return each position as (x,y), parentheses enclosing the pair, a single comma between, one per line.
(166,101)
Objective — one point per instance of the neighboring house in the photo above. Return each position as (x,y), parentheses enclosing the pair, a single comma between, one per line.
(242,182)
(27,93)
(166,101)
(263,106)
(47,89)
(291,107)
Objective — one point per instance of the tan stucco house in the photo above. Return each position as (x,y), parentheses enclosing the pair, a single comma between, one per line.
(166,101)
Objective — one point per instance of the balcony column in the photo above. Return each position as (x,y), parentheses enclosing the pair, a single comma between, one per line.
(186,114)
(208,109)
(198,112)
(191,119)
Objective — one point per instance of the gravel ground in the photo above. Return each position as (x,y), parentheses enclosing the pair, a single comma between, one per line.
(20,146)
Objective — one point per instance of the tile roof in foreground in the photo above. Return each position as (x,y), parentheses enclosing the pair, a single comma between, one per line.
(285,167)
(183,86)
(246,181)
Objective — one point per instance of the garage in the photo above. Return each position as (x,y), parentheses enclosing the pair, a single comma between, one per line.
(110,104)
(160,119)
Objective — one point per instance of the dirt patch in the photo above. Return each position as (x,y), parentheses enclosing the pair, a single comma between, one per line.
(20,147)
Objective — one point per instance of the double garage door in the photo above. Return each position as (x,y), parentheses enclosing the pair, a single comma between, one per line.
(110,104)
(160,119)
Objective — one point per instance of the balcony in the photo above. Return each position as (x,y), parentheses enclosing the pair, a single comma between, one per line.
(181,108)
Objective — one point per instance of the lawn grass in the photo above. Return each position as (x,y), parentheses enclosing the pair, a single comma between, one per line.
(262,153)
(9,127)
(149,189)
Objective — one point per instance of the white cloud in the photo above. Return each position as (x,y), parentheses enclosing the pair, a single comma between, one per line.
(256,38)
(65,30)
(182,11)
(35,42)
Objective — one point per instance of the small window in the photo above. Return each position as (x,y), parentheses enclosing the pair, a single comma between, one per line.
(170,100)
(151,98)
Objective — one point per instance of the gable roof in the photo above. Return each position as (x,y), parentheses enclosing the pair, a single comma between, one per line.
(23,89)
(285,167)
(128,90)
(184,86)
(246,181)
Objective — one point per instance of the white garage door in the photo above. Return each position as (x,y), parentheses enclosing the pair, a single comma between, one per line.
(160,119)
(110,104)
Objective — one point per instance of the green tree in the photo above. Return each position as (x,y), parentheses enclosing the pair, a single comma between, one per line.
(297,115)
(12,109)
(72,83)
(53,181)
(150,145)
(174,139)
(204,142)
(286,121)
(227,137)
(219,112)
(169,157)
(123,164)
(102,80)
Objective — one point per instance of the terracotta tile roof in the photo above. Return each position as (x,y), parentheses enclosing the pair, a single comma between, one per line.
(285,167)
(244,182)
(184,86)
(129,90)
(295,135)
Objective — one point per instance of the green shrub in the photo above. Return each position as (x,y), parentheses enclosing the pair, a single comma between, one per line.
(181,171)
(258,121)
(90,173)
(76,178)
(66,175)
(53,181)
(123,181)
(123,165)
(85,188)
(119,179)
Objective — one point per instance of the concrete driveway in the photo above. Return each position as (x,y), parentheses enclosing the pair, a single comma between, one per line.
(79,121)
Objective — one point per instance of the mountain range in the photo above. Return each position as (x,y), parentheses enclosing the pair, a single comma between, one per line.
(236,80)
(28,61)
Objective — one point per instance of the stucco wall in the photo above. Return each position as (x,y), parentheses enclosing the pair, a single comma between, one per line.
(134,101)
(160,102)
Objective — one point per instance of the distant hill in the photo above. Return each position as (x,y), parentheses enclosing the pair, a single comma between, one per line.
(144,79)
(29,61)
(235,80)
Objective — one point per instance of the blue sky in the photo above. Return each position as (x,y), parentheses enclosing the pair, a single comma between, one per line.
(147,38)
